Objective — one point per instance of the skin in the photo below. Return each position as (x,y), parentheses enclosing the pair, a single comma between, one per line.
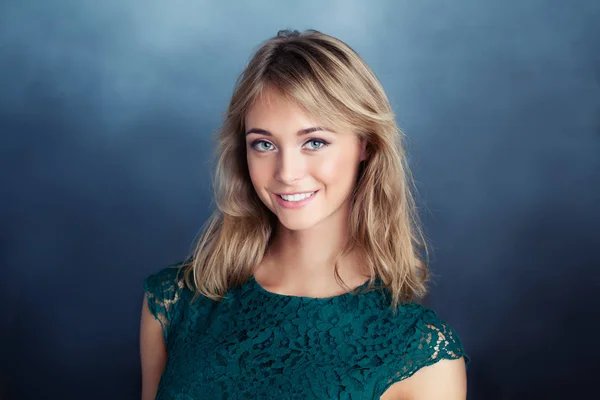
(153,352)
(444,380)
(283,159)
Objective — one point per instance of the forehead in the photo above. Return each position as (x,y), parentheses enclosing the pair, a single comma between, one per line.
(273,105)
(274,108)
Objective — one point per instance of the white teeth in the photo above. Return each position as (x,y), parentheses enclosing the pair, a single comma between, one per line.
(295,197)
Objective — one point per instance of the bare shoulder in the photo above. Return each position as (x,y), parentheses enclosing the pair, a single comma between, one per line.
(446,379)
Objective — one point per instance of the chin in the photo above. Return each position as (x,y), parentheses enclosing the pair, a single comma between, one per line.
(297,224)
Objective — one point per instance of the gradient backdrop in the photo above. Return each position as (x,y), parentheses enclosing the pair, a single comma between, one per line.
(107,111)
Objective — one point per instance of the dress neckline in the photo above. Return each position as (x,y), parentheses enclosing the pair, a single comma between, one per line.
(265,292)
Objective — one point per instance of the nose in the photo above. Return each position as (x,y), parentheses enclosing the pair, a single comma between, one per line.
(290,166)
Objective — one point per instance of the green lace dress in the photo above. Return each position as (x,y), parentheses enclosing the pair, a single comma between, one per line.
(256,344)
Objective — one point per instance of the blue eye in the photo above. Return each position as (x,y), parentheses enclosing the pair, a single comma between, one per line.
(260,145)
(318,143)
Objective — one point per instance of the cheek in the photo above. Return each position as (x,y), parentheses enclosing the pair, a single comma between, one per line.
(337,169)
(259,172)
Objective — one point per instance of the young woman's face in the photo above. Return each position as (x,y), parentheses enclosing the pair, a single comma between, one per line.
(301,171)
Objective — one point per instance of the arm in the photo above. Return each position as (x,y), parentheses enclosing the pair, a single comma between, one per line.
(446,379)
(153,352)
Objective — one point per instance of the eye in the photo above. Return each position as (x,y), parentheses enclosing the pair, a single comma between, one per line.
(316,144)
(261,145)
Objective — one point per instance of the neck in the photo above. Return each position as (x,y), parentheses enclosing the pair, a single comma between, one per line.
(304,261)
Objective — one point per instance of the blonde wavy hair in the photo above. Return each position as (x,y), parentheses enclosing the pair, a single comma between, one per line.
(332,83)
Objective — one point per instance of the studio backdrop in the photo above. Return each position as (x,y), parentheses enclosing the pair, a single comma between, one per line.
(108,111)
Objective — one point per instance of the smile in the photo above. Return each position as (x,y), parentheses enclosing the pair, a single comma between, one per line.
(296,200)
(296,197)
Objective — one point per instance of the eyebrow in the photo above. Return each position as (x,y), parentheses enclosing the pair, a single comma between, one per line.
(301,132)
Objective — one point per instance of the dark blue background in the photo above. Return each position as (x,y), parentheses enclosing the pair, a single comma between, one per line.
(107,111)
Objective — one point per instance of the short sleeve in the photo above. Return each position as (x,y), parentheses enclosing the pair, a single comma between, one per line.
(164,290)
(428,340)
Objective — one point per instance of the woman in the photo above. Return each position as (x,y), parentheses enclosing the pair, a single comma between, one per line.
(303,283)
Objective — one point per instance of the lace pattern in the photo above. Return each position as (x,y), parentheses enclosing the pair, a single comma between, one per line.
(260,345)
(164,292)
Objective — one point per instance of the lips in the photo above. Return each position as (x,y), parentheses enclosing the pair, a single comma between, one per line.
(294,204)
(296,196)
(294,193)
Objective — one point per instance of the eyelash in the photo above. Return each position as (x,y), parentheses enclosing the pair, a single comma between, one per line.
(257,142)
